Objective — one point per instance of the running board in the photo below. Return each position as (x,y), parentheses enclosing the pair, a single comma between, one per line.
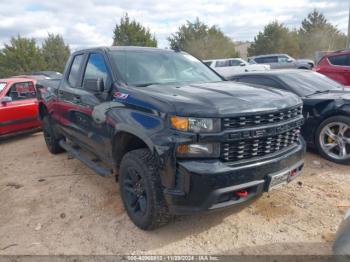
(102,171)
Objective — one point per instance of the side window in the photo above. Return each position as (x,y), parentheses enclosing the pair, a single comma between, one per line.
(222,63)
(282,59)
(340,60)
(267,60)
(96,68)
(22,91)
(235,63)
(73,76)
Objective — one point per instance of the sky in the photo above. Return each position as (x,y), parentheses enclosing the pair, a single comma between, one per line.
(87,23)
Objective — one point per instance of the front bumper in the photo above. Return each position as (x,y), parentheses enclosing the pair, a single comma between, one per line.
(212,184)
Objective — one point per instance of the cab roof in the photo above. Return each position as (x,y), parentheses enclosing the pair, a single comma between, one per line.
(124,48)
(16,79)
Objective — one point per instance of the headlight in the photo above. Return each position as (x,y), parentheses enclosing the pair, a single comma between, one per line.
(211,150)
(197,125)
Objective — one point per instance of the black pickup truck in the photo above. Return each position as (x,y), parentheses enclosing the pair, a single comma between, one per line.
(177,136)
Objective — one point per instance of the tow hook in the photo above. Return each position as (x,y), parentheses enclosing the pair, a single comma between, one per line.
(293,173)
(241,193)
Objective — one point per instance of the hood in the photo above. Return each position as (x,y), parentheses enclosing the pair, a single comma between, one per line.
(332,95)
(221,98)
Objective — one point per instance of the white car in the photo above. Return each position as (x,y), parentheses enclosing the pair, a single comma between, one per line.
(231,66)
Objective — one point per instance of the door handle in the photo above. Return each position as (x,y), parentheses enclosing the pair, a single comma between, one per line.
(76,99)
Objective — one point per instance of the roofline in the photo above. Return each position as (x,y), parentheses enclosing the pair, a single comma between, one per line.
(221,59)
(268,55)
(111,48)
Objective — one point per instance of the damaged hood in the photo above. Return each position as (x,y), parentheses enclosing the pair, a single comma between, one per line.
(220,98)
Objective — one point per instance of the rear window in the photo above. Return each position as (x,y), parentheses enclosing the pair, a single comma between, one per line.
(260,80)
(340,60)
(2,86)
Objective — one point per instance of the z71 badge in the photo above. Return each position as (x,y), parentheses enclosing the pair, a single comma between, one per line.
(122,96)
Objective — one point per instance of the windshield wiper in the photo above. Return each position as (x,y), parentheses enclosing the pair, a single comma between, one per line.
(147,84)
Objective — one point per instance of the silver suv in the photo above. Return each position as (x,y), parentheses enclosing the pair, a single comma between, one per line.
(280,61)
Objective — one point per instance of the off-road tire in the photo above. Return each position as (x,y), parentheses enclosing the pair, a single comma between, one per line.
(156,214)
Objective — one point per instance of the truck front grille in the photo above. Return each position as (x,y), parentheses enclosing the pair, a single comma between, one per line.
(261,119)
(249,148)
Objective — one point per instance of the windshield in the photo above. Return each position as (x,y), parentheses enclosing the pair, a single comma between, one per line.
(309,82)
(2,86)
(142,68)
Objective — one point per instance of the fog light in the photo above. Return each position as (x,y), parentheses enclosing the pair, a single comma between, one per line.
(211,150)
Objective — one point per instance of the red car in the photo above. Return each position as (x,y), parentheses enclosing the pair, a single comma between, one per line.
(18,106)
(336,65)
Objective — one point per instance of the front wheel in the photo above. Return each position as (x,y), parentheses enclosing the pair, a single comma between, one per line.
(141,190)
(333,139)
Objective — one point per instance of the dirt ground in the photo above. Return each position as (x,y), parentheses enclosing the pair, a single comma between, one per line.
(55,205)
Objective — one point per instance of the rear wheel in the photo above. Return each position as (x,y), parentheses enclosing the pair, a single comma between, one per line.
(333,139)
(51,139)
(141,190)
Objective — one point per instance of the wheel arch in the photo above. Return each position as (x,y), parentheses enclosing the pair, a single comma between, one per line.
(124,142)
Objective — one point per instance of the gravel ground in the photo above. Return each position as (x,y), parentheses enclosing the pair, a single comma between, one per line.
(55,205)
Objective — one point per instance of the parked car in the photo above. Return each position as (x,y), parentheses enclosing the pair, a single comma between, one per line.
(341,245)
(326,108)
(181,139)
(231,66)
(18,106)
(282,61)
(48,74)
(336,65)
(40,75)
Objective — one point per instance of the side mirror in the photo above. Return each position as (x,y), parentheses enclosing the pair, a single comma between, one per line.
(289,60)
(94,85)
(6,99)
(242,64)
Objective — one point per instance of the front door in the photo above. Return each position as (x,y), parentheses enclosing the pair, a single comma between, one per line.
(21,113)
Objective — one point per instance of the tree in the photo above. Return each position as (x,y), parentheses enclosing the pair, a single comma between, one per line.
(132,33)
(202,41)
(21,56)
(317,34)
(275,38)
(55,52)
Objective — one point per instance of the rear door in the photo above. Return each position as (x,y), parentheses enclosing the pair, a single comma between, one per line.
(222,67)
(285,62)
(229,67)
(22,112)
(69,108)
(338,68)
